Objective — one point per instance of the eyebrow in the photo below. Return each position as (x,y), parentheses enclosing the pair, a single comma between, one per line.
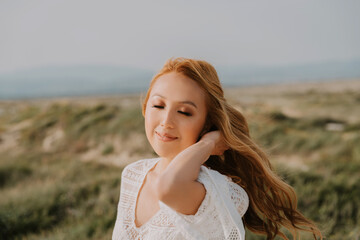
(183,102)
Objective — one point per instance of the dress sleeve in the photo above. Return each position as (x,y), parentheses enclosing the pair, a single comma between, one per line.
(127,188)
(117,231)
(238,196)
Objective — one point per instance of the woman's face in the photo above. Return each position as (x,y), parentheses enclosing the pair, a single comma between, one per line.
(175,114)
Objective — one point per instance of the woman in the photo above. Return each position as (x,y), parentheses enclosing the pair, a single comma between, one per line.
(210,179)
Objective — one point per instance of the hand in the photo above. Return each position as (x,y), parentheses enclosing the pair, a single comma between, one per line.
(217,140)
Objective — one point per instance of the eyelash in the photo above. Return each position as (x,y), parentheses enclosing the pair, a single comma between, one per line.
(184,113)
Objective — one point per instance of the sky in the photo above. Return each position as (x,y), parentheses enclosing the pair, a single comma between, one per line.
(145,34)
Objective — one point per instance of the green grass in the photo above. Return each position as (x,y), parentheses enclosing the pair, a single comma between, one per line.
(56,194)
(83,123)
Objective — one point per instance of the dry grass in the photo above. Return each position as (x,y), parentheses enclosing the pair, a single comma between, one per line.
(61,159)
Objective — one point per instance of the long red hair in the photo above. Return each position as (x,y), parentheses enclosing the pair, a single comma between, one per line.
(273,203)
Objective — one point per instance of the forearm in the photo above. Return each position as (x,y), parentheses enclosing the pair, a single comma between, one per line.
(185,166)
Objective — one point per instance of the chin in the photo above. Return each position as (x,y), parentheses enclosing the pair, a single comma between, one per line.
(165,154)
(168,156)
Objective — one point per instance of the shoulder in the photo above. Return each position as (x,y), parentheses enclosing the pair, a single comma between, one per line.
(138,167)
(225,184)
(140,164)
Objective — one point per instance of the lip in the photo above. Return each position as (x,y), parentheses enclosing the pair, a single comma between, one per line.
(165,137)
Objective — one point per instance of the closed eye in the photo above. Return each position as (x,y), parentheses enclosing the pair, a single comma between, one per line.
(158,106)
(185,113)
(181,112)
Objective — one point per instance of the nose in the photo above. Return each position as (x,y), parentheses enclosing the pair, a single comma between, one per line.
(167,120)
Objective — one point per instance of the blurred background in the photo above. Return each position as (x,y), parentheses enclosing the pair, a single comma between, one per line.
(73,74)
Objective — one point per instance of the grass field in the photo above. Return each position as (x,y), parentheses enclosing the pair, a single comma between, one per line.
(61,159)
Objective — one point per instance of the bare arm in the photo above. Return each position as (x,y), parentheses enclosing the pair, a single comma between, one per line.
(177,186)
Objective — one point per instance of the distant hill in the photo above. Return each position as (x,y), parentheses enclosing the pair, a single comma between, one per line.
(73,81)
(254,75)
(82,80)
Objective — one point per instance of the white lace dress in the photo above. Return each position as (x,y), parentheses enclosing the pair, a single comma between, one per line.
(218,217)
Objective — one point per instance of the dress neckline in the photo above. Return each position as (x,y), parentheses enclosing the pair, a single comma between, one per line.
(147,169)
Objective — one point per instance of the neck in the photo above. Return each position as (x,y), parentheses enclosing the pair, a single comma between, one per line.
(161,165)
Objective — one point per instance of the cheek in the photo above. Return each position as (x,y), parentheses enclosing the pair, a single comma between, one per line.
(148,122)
(192,132)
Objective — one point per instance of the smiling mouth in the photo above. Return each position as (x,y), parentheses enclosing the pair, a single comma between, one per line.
(165,138)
